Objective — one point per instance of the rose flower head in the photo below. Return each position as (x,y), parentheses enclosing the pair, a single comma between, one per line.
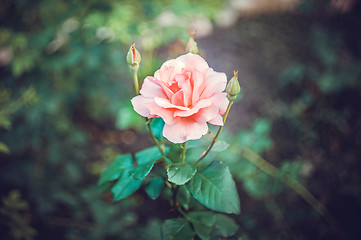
(187,94)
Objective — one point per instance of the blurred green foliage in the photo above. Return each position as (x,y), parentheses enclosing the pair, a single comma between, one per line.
(14,212)
(321,84)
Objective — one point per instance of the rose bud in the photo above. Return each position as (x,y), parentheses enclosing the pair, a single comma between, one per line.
(233,88)
(133,57)
(192,45)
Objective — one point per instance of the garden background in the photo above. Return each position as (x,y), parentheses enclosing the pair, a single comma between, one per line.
(65,111)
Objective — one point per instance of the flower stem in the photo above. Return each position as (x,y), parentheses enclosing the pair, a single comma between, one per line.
(204,154)
(154,138)
(183,154)
(136,83)
(176,204)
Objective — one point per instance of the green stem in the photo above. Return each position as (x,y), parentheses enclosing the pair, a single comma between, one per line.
(154,138)
(183,154)
(204,154)
(136,83)
(296,186)
(176,205)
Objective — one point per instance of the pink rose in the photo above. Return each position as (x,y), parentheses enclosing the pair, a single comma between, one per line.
(186,93)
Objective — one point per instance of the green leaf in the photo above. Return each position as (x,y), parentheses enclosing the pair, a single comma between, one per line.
(185,198)
(205,141)
(202,230)
(203,223)
(220,146)
(226,226)
(116,168)
(146,159)
(215,188)
(204,217)
(180,173)
(130,178)
(142,170)
(177,229)
(154,187)
(125,186)
(148,155)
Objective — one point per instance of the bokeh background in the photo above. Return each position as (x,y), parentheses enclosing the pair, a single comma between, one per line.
(65,111)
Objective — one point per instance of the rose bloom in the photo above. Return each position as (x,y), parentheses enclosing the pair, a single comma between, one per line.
(186,93)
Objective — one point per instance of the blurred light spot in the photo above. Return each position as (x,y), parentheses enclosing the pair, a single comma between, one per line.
(166,19)
(130,219)
(105,33)
(111,137)
(6,54)
(57,43)
(251,7)
(128,137)
(226,17)
(343,6)
(306,169)
(202,25)
(70,25)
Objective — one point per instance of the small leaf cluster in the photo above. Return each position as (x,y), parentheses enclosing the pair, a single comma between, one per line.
(211,186)
(12,211)
(8,106)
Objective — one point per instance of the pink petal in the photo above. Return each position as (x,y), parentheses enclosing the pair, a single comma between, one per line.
(140,105)
(197,80)
(165,103)
(213,113)
(184,129)
(185,85)
(165,88)
(221,102)
(217,120)
(165,72)
(151,88)
(168,70)
(206,114)
(164,113)
(193,61)
(215,83)
(201,104)
(177,98)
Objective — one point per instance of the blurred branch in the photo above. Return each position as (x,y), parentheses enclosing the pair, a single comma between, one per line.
(67,222)
(296,186)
